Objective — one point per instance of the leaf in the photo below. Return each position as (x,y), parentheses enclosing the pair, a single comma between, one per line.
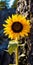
(12,48)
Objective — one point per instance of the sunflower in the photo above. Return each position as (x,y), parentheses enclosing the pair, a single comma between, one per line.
(16,26)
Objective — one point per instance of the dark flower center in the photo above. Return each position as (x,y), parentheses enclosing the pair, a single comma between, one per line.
(17,27)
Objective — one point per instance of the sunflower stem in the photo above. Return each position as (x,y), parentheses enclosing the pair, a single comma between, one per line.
(16,55)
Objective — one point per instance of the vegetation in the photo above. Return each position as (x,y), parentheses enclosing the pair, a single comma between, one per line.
(15,4)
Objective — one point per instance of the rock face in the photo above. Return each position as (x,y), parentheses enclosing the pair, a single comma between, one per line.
(23,7)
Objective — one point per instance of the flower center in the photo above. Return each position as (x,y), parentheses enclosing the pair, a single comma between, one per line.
(17,27)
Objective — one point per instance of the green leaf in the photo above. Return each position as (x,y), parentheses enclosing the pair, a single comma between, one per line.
(12,48)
